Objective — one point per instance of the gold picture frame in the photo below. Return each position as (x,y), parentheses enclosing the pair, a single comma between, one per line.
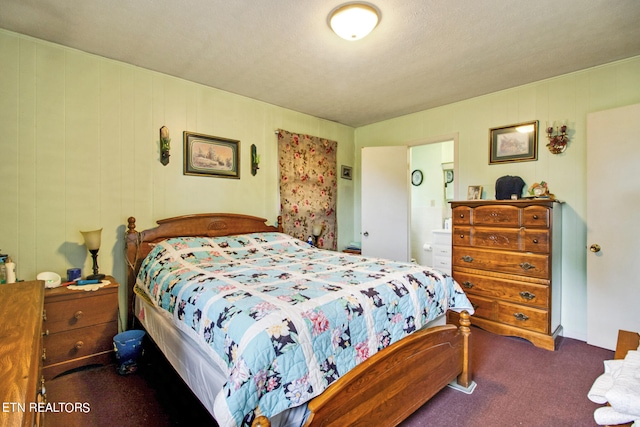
(513,143)
(206,155)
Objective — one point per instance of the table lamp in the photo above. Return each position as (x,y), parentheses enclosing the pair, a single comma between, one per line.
(92,241)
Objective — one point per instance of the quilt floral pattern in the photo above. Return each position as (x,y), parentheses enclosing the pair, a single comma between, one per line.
(284,320)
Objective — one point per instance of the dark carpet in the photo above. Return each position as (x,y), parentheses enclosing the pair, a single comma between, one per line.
(518,385)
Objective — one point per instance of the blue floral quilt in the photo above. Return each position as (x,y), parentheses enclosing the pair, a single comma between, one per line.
(284,320)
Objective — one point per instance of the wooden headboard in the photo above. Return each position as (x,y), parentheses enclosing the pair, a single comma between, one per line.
(140,243)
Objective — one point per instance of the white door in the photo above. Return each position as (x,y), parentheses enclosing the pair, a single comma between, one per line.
(613,231)
(385,202)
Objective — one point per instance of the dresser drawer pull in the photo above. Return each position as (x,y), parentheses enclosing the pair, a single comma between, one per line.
(535,217)
(475,306)
(467,285)
(535,241)
(45,333)
(527,295)
(44,354)
(44,315)
(467,258)
(521,316)
(78,345)
(461,215)
(78,314)
(462,236)
(526,266)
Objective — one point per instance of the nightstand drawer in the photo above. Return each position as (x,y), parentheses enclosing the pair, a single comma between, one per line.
(79,342)
(80,312)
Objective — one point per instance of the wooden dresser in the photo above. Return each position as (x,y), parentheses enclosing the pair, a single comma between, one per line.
(21,383)
(507,257)
(79,327)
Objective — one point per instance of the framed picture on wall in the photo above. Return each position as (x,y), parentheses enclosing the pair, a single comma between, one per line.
(206,155)
(346,172)
(513,143)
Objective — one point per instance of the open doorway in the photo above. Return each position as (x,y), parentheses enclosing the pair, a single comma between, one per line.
(430,210)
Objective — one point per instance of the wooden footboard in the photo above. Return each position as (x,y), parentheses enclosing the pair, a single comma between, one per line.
(395,382)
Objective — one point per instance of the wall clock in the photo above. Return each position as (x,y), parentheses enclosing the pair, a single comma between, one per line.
(416,177)
(448,176)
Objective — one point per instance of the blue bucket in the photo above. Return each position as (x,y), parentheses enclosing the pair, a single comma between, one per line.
(128,348)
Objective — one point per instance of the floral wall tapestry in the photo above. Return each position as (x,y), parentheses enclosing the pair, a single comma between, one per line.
(308,185)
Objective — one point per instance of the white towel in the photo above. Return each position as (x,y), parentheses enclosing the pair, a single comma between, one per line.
(608,416)
(624,395)
(604,382)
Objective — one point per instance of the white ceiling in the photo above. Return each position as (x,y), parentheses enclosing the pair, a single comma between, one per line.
(423,54)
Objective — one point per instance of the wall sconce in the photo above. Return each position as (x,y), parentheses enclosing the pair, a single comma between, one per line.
(558,140)
(165,145)
(92,241)
(255,160)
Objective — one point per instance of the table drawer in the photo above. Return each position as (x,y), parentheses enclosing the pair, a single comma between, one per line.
(79,342)
(509,290)
(530,318)
(80,312)
(522,264)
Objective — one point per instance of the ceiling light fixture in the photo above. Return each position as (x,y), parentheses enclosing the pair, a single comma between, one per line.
(353,21)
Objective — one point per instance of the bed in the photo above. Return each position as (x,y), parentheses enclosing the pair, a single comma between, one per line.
(267,330)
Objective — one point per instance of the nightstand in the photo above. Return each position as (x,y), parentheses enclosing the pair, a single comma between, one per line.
(79,327)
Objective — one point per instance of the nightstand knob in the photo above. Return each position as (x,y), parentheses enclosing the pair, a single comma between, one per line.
(78,345)
(78,314)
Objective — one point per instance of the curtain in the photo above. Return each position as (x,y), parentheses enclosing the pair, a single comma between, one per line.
(308,186)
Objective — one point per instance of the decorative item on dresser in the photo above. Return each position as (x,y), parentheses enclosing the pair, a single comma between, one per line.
(507,257)
(21,383)
(79,327)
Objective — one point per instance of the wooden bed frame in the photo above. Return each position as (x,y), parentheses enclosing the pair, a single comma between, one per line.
(387,387)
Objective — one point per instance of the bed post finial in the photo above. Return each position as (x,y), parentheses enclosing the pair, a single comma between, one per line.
(132,225)
(280,228)
(261,421)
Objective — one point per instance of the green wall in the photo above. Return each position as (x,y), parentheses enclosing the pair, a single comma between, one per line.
(79,150)
(570,97)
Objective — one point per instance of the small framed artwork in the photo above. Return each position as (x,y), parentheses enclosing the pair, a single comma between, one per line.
(514,143)
(346,172)
(474,192)
(206,155)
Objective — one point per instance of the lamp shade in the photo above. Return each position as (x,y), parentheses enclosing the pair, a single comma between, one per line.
(92,239)
(353,21)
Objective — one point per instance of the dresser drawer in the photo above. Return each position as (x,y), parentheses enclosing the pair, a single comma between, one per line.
(483,307)
(79,342)
(100,307)
(530,318)
(536,241)
(523,264)
(461,215)
(536,216)
(508,290)
(504,216)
